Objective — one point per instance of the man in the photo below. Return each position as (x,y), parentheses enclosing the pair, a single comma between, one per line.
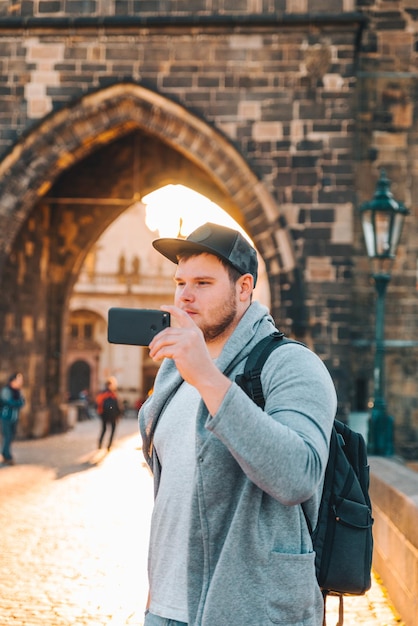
(11,401)
(229,542)
(109,410)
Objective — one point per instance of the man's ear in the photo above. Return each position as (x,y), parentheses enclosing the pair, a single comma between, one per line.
(245,286)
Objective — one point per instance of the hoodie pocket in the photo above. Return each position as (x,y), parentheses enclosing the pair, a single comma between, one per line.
(292,591)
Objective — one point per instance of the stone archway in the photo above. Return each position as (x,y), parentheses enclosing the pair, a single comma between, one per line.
(50,232)
(66,137)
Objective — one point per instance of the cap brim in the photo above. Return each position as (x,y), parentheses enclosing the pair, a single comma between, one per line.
(171,248)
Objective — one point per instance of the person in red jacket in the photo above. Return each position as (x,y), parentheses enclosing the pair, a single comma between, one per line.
(108,409)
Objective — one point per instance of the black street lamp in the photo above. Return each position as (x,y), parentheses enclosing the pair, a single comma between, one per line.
(382,220)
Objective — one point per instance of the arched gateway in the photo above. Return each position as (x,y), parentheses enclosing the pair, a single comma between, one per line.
(69,178)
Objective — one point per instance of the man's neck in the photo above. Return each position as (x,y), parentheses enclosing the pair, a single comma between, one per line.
(215,348)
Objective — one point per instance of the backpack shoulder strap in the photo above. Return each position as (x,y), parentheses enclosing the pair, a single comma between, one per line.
(250,380)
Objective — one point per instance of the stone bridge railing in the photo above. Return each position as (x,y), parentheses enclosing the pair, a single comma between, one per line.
(394,493)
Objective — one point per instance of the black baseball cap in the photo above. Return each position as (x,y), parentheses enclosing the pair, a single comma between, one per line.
(223,242)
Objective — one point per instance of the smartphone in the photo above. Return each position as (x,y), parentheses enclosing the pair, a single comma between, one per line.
(135,327)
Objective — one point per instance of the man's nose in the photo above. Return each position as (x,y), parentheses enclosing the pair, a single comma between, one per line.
(187,293)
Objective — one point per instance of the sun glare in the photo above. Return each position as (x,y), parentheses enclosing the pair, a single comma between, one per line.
(175,209)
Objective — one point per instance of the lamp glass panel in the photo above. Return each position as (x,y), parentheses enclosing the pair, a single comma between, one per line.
(397,224)
(368,232)
(382,232)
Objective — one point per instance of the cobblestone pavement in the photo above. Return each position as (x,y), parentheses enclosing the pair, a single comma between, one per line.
(74,533)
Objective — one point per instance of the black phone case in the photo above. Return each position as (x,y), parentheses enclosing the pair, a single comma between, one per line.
(135,327)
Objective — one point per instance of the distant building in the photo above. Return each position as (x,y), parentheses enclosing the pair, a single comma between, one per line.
(123,270)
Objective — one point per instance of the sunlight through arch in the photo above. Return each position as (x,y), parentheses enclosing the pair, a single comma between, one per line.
(176,210)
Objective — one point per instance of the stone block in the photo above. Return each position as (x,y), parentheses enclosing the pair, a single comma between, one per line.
(394,493)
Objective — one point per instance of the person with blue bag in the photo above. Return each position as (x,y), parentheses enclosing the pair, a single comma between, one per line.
(11,401)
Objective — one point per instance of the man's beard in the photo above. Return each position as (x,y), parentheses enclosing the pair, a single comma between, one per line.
(228,315)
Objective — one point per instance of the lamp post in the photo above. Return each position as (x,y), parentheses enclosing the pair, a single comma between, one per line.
(382,220)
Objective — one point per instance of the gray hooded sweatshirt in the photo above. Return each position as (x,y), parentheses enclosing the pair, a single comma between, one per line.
(251,561)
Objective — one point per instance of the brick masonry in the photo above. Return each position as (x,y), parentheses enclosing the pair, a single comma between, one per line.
(281,112)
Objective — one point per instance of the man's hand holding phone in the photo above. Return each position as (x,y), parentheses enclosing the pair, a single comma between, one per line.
(185,344)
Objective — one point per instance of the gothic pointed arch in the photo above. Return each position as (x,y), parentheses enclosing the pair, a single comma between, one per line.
(126,139)
(72,133)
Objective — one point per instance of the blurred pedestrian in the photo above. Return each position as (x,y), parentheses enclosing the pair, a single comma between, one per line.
(11,401)
(83,405)
(108,409)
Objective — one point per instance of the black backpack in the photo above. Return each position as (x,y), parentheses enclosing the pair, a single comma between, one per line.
(342,538)
(110,408)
